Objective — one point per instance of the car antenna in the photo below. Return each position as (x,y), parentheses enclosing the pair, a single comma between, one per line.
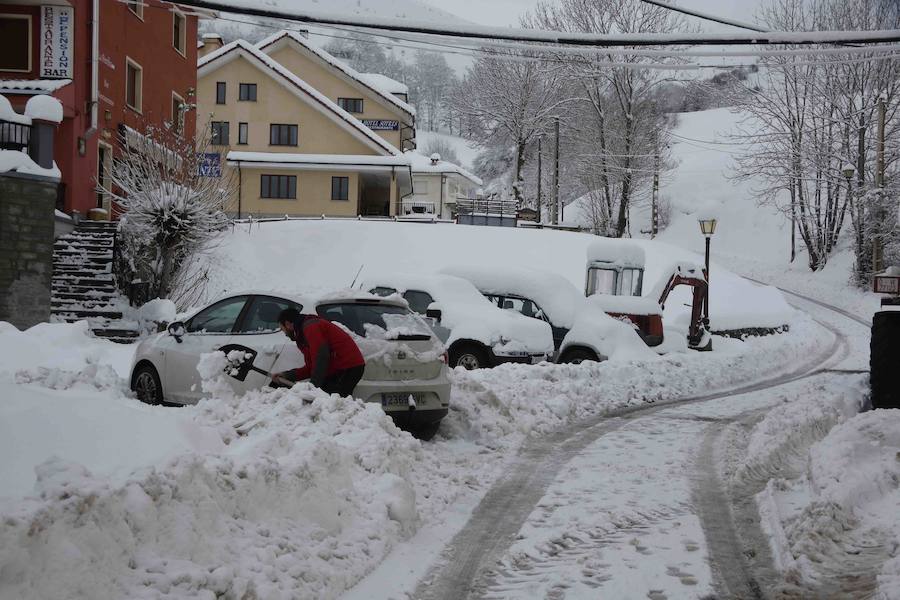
(357,275)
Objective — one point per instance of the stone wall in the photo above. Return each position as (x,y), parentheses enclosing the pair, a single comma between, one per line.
(26,248)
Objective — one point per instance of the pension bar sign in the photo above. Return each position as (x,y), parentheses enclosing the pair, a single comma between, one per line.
(56,42)
(381,124)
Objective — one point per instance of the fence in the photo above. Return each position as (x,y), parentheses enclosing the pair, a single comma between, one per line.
(486,211)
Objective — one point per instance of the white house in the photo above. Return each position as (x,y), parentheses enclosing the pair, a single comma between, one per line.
(437,185)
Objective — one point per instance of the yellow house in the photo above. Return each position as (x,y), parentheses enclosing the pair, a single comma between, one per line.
(292,149)
(365,95)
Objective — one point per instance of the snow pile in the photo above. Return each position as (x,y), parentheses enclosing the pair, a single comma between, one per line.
(830,505)
(13,160)
(616,339)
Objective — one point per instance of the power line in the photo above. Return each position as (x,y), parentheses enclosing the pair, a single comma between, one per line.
(562,38)
(705,16)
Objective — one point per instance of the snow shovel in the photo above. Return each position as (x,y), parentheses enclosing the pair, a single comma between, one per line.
(240,368)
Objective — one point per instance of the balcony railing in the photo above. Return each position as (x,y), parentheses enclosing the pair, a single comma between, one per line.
(14,136)
(416,207)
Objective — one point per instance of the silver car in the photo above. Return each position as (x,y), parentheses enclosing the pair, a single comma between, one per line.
(406,365)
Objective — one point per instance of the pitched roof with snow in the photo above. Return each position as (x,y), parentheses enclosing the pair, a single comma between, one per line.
(262,60)
(335,64)
(385,83)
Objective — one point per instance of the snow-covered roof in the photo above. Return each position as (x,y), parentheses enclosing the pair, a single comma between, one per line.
(385,83)
(422,164)
(620,253)
(284,159)
(211,36)
(255,56)
(335,64)
(32,86)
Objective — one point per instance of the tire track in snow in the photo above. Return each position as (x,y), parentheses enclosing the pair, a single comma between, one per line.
(498,518)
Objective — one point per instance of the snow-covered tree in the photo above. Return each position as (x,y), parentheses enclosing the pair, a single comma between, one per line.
(172,204)
(620,127)
(811,135)
(508,100)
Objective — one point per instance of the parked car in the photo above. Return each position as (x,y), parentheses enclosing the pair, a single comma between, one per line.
(582,330)
(477,333)
(403,357)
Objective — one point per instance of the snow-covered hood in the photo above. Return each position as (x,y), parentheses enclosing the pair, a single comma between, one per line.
(469,315)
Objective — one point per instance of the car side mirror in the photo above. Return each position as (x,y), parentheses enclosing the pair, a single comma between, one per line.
(434,313)
(177,330)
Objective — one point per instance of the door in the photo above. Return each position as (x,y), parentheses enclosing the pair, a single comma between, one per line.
(207,331)
(259,330)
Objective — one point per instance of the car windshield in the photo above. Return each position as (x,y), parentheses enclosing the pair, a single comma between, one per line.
(391,322)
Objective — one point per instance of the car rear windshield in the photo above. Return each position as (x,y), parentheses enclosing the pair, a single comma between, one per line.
(396,322)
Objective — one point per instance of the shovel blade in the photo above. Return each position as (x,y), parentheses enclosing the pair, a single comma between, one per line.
(239,369)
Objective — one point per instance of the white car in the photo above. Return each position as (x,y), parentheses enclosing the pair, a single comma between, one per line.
(476,332)
(582,329)
(406,365)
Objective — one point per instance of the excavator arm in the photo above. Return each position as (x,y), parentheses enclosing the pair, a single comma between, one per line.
(695,277)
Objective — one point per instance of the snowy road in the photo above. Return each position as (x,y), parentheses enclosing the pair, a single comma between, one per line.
(636,505)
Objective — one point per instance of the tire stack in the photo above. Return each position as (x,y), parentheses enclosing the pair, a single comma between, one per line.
(884,359)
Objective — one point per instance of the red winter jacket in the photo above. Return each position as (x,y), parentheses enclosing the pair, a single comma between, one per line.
(326,349)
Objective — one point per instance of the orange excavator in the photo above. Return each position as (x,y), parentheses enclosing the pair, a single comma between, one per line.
(615,276)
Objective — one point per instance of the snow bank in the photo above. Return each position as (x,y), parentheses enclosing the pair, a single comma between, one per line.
(830,504)
(13,160)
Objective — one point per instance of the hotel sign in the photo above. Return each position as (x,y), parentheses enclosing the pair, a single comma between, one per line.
(381,124)
(56,42)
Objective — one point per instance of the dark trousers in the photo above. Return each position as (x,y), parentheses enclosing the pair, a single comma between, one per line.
(343,382)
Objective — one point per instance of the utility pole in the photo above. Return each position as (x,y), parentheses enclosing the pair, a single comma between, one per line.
(540,177)
(556,206)
(877,243)
(654,199)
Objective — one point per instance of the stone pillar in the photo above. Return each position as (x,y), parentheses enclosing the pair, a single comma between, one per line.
(26,248)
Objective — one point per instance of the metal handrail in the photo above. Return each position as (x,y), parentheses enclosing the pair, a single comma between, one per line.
(14,136)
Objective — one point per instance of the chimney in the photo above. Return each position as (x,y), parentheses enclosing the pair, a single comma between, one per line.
(435,159)
(210,42)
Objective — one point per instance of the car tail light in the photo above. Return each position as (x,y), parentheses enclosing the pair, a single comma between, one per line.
(445,358)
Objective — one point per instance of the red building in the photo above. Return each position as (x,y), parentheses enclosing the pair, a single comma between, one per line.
(112,64)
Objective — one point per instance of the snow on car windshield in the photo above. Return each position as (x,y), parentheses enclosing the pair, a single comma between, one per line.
(380,321)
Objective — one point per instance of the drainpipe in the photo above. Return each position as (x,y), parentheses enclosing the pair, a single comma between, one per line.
(240,188)
(95,68)
(443,181)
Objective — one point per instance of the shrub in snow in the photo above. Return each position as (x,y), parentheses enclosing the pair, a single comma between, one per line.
(173,212)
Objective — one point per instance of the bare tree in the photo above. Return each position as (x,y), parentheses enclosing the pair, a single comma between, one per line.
(508,98)
(621,126)
(173,201)
(811,130)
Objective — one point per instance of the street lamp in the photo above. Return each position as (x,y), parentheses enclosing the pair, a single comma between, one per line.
(707,228)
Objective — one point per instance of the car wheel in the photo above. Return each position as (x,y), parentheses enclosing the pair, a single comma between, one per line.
(146,385)
(426,432)
(576,356)
(468,356)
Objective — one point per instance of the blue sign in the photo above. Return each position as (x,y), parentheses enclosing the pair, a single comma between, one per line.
(381,124)
(210,164)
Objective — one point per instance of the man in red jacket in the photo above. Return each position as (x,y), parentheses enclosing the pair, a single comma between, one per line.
(333,362)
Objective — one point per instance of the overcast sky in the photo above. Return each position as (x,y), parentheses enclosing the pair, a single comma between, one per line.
(507,12)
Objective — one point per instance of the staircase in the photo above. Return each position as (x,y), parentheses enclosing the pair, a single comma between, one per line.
(84,286)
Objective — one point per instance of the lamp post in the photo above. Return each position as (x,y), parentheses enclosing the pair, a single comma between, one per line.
(708,228)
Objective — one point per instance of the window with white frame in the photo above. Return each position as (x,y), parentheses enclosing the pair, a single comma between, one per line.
(351,105)
(15,43)
(243,134)
(420,186)
(134,84)
(179,25)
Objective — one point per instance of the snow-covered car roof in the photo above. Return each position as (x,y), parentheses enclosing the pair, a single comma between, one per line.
(467,313)
(554,294)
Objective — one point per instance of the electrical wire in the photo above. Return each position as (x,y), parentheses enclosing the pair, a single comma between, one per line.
(705,16)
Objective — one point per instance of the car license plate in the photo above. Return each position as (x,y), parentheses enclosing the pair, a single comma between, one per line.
(401,399)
